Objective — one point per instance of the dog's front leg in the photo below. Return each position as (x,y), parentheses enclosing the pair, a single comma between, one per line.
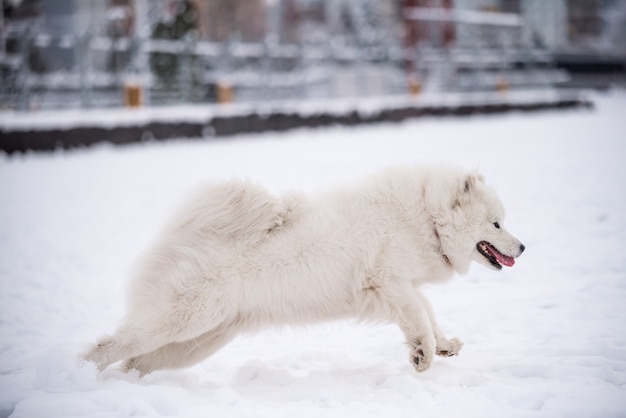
(403,308)
(419,335)
(445,347)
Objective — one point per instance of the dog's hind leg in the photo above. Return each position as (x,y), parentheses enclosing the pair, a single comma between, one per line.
(182,354)
(444,347)
(125,343)
(143,334)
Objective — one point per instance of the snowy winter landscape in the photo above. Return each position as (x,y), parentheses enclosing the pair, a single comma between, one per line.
(545,338)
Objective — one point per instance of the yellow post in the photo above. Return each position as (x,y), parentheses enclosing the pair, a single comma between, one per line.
(224,93)
(133,95)
(415,86)
(502,85)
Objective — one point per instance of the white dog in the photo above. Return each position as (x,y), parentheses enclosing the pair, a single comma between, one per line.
(237,259)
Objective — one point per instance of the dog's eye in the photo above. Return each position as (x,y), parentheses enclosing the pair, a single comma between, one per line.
(497,225)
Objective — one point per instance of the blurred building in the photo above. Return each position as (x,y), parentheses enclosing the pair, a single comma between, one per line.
(220,20)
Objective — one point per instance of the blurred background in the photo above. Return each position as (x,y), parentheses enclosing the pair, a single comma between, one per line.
(109,53)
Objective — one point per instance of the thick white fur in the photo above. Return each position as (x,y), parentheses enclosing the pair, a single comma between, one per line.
(237,259)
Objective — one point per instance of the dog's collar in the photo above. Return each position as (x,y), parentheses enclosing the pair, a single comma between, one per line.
(446,259)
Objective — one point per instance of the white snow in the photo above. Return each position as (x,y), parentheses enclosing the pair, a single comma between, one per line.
(202,113)
(545,338)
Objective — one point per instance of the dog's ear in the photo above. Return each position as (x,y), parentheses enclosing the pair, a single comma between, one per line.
(471,180)
(468,184)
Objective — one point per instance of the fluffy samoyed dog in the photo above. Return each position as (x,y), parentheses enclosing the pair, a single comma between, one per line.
(237,259)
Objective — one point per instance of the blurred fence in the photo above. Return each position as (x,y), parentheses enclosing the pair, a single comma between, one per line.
(96,70)
(191,70)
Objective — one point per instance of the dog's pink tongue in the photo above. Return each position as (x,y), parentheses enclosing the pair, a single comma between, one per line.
(505,259)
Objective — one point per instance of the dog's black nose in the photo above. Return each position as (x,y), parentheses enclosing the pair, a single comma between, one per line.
(522,247)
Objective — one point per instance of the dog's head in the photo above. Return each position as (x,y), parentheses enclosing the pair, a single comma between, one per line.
(472,228)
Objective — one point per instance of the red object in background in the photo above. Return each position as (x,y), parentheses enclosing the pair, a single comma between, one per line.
(416,31)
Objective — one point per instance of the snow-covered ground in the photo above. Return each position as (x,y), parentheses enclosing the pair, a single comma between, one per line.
(15,121)
(546,338)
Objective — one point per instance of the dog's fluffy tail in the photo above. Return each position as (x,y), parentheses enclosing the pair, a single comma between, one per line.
(240,211)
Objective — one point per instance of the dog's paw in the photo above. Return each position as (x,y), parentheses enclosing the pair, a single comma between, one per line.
(134,365)
(449,348)
(421,358)
(97,353)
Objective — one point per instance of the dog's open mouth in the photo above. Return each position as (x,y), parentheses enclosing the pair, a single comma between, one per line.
(495,257)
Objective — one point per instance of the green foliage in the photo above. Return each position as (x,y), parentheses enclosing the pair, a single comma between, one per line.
(166,65)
